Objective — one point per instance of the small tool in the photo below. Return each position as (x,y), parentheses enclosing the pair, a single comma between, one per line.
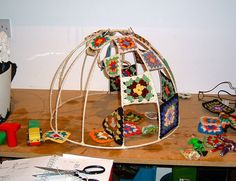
(89,170)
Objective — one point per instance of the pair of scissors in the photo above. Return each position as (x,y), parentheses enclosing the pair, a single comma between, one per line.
(90,170)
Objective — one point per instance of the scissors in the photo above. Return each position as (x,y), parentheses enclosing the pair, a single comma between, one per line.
(90,170)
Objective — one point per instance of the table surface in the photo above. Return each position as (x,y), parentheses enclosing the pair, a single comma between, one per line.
(29,104)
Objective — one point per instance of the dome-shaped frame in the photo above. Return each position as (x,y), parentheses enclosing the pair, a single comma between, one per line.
(134,89)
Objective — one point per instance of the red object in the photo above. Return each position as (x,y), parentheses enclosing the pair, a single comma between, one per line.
(10,129)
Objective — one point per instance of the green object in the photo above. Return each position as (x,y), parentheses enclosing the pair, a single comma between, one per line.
(3,137)
(198,146)
(184,173)
(34,123)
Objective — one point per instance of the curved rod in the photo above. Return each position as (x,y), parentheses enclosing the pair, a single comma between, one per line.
(86,94)
(62,66)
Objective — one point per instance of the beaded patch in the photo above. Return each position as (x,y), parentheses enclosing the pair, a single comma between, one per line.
(112,65)
(127,71)
(59,137)
(167,88)
(126,44)
(216,106)
(211,140)
(98,42)
(100,136)
(151,60)
(169,112)
(149,129)
(113,125)
(133,116)
(130,129)
(138,89)
(210,125)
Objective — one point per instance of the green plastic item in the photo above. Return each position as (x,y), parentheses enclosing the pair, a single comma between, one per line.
(34,123)
(3,137)
(184,173)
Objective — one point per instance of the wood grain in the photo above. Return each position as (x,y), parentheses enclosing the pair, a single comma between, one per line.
(29,104)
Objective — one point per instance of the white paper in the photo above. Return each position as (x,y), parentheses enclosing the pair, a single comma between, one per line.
(24,169)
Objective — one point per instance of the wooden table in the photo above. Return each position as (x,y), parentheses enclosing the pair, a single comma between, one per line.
(33,104)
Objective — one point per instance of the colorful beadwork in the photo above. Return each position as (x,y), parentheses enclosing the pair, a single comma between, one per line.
(133,116)
(151,60)
(126,44)
(169,112)
(130,129)
(99,41)
(113,125)
(138,89)
(210,125)
(59,137)
(211,140)
(112,65)
(127,71)
(216,106)
(100,136)
(149,129)
(167,88)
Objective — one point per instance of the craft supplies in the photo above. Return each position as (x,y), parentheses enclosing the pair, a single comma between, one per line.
(198,145)
(149,129)
(135,85)
(10,129)
(216,106)
(59,137)
(151,115)
(133,116)
(210,125)
(34,133)
(100,136)
(190,154)
(2,137)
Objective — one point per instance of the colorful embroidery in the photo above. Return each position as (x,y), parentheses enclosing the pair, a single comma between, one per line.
(216,106)
(169,113)
(149,129)
(211,140)
(167,88)
(227,120)
(59,137)
(151,60)
(138,89)
(130,129)
(133,116)
(210,125)
(126,44)
(99,41)
(100,136)
(113,125)
(112,65)
(127,71)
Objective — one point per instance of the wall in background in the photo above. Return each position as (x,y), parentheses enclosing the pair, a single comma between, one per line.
(197,38)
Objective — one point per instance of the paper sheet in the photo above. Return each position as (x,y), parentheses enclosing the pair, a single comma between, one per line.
(24,169)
